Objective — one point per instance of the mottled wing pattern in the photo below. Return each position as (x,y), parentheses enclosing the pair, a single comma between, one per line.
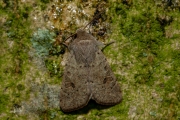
(105,88)
(87,76)
(75,91)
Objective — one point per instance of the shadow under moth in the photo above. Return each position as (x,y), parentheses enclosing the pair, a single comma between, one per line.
(87,75)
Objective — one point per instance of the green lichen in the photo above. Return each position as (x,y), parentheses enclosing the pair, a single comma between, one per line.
(3,102)
(42,41)
(15,34)
(146,47)
(54,67)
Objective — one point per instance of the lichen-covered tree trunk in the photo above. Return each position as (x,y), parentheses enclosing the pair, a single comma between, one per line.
(145,56)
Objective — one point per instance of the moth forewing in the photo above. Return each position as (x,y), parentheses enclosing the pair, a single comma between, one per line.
(87,75)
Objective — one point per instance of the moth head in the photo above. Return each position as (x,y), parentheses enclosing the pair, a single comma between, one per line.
(83,35)
(80,32)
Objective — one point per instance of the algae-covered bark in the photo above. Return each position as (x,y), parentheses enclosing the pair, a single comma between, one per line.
(146,33)
(145,56)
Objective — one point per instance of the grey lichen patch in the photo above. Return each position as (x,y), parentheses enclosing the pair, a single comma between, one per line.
(43,98)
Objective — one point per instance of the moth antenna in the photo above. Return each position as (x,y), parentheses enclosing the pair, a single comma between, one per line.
(70,36)
(87,24)
(94,18)
(107,44)
(65,44)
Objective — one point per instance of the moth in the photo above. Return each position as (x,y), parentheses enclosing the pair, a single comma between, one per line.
(87,75)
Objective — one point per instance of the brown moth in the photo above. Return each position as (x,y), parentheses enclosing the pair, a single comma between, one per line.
(87,75)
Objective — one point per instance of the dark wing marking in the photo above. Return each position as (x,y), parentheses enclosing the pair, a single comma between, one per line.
(105,88)
(75,91)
